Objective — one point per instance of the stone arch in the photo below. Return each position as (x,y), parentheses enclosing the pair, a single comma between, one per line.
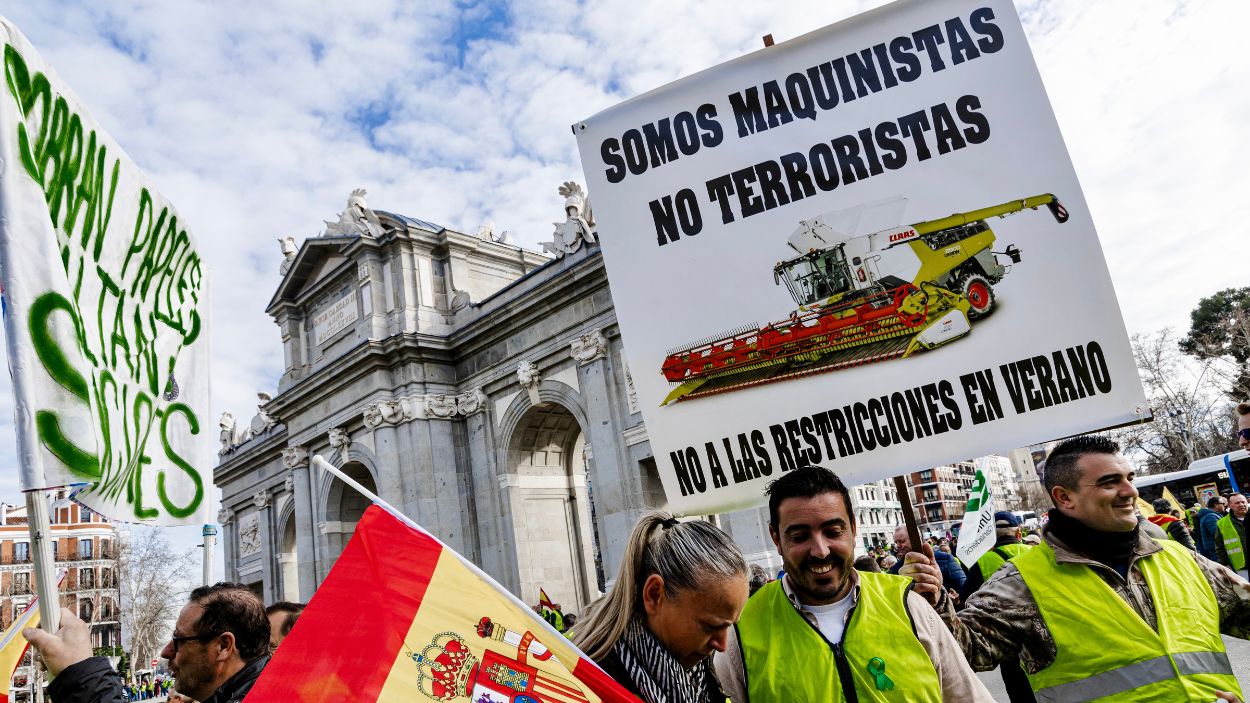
(341,507)
(288,559)
(542,460)
(548,392)
(357,453)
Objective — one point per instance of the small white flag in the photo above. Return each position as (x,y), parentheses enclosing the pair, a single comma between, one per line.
(976,535)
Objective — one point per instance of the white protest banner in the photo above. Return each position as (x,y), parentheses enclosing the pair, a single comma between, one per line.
(792,286)
(976,533)
(105,304)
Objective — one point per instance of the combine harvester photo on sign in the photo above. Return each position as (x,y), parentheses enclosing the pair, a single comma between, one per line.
(861,299)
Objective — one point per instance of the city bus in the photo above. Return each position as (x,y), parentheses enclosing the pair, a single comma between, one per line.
(1207,477)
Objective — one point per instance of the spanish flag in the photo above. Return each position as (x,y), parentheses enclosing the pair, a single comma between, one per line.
(403,618)
(13,645)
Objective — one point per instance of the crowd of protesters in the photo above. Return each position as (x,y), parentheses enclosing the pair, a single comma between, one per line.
(1100,604)
(148,687)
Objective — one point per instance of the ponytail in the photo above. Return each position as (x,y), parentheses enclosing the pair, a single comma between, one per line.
(684,554)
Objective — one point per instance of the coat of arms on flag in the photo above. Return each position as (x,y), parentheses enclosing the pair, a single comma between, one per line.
(448,669)
(402,617)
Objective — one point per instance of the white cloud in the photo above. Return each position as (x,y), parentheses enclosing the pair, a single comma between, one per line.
(257,119)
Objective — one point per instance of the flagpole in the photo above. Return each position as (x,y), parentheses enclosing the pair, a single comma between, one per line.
(909,518)
(37,521)
(45,563)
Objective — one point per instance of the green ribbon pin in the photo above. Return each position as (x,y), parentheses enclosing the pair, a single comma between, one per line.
(876,667)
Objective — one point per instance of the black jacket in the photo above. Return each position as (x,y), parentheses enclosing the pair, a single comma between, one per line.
(94,681)
(237,686)
(89,681)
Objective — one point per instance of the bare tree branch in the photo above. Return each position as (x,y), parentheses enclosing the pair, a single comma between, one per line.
(152,579)
(1192,414)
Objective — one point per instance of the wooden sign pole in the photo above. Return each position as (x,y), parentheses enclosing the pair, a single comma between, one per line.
(909,518)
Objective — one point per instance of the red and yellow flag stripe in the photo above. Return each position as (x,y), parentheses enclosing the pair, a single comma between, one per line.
(401,617)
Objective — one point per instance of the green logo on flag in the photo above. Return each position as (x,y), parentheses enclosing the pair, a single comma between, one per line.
(980,494)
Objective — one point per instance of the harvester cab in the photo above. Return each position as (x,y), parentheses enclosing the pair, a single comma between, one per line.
(861,299)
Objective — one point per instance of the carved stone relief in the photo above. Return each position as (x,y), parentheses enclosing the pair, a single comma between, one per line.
(440,406)
(589,347)
(471,402)
(528,376)
(249,535)
(339,438)
(294,456)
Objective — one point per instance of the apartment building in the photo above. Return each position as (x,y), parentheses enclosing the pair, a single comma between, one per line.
(86,548)
(939,496)
(877,511)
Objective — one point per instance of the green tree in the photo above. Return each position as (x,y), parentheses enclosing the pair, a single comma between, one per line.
(1219,331)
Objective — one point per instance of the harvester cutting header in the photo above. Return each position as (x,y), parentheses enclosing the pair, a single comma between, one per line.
(860,299)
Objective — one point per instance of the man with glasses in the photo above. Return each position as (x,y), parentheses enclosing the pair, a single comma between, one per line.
(219,647)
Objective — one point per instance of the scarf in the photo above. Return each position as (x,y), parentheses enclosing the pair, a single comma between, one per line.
(1115,549)
(656,674)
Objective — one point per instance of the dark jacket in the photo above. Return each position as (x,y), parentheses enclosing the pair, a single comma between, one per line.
(611,664)
(237,686)
(952,573)
(1176,530)
(94,681)
(1206,533)
(974,579)
(1206,519)
(89,681)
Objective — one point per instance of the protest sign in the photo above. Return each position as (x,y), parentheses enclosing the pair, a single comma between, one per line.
(105,309)
(792,286)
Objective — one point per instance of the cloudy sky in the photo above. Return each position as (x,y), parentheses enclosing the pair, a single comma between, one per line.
(257,119)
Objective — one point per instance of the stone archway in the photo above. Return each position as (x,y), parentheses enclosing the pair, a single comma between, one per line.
(551,502)
(344,507)
(288,560)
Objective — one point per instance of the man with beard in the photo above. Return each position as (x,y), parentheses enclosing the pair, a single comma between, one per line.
(219,647)
(1098,610)
(826,632)
(1230,540)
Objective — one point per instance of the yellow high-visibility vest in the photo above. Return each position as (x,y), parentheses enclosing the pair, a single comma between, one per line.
(879,659)
(1107,652)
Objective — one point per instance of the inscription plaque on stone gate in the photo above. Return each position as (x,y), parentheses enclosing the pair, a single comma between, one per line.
(335,317)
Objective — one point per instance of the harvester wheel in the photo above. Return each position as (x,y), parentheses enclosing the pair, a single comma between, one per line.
(979,292)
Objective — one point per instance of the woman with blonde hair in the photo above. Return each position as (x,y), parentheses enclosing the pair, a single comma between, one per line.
(680,588)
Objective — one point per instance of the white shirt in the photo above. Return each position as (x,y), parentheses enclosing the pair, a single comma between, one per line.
(831,619)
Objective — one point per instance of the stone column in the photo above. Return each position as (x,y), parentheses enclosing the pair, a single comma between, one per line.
(305,538)
(229,544)
(492,523)
(263,500)
(369,273)
(616,486)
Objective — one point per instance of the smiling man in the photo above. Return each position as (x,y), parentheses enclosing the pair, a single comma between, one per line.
(826,632)
(1099,610)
